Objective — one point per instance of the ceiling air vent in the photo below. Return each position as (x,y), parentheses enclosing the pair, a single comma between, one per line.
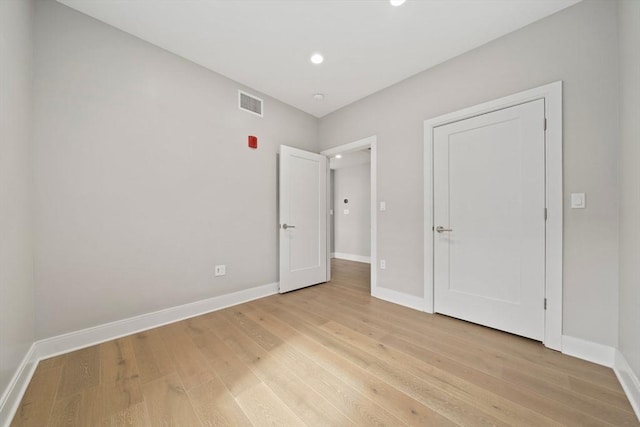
(250,103)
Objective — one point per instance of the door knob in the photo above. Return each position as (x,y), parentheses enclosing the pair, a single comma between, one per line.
(441,229)
(285,226)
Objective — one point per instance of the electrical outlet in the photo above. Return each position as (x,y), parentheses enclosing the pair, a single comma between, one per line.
(383,264)
(220,270)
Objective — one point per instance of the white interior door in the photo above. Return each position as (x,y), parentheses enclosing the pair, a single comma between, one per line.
(303,218)
(489,219)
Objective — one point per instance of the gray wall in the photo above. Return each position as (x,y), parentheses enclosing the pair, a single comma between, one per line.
(16,255)
(133,211)
(143,176)
(629,26)
(352,232)
(577,45)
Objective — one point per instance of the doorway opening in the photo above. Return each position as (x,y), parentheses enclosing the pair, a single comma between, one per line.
(352,207)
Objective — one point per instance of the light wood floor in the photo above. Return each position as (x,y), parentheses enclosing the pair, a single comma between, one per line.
(329,355)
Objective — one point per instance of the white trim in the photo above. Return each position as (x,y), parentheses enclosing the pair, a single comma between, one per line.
(629,381)
(87,337)
(330,218)
(352,146)
(399,298)
(65,343)
(374,214)
(606,356)
(352,257)
(17,386)
(588,350)
(577,347)
(368,142)
(552,95)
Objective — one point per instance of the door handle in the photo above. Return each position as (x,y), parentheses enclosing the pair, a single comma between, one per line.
(285,226)
(441,229)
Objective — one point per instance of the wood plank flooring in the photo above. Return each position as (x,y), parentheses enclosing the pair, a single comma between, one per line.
(329,355)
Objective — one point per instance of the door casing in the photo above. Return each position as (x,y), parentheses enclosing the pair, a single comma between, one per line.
(369,142)
(552,96)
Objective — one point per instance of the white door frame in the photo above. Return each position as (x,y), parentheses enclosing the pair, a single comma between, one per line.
(552,95)
(369,142)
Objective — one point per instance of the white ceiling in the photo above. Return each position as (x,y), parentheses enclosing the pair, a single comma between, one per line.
(367,44)
(352,158)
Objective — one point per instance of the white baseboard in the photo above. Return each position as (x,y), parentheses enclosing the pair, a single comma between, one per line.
(17,387)
(352,257)
(577,347)
(629,381)
(65,343)
(400,298)
(588,350)
(87,337)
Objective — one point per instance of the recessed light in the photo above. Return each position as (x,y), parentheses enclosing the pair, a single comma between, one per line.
(318,96)
(317,58)
(396,2)
(338,156)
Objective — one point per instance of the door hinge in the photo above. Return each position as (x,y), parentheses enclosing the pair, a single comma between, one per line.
(545,303)
(545,123)
(546,214)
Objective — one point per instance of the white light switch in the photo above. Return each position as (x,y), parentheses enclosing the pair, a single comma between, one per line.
(346,211)
(578,201)
(383,206)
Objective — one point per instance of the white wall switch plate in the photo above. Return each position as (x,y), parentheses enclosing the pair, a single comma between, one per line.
(220,270)
(383,206)
(383,264)
(346,211)
(578,201)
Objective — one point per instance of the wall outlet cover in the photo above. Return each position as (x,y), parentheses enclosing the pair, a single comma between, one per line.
(220,270)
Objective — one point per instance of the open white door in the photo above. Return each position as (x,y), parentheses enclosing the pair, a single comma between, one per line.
(489,219)
(303,218)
